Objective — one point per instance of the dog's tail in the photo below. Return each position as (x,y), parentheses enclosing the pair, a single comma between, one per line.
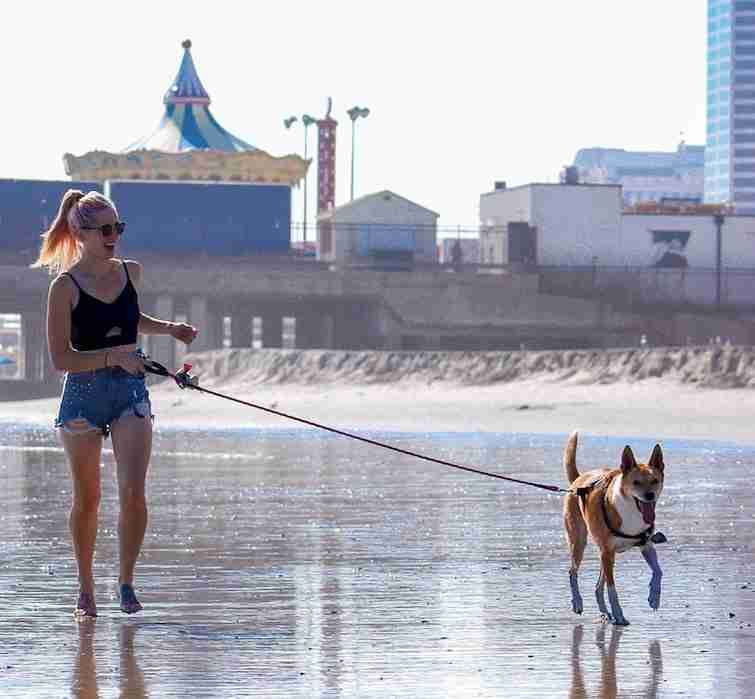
(570,458)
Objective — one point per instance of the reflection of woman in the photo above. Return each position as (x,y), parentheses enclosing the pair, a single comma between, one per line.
(93,320)
(84,676)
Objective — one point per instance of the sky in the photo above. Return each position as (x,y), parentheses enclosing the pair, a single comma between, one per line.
(460,94)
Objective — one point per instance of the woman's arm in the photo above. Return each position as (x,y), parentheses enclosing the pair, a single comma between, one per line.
(63,356)
(149,325)
(154,326)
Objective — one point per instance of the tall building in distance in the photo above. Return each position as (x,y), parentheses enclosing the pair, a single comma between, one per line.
(644,176)
(730,143)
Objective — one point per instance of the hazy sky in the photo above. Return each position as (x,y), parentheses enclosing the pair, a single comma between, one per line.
(460,94)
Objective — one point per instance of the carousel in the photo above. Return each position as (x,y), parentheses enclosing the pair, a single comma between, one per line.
(188,144)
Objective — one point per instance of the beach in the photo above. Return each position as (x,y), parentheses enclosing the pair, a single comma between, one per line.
(283,560)
(709,395)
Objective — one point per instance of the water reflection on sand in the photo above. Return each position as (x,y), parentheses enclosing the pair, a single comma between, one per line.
(288,563)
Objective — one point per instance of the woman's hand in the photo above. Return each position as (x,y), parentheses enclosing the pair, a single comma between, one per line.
(183,332)
(130,361)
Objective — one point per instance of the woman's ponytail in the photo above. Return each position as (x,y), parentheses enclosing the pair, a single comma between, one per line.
(60,248)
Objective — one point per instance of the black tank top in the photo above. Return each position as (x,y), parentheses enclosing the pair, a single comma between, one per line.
(98,325)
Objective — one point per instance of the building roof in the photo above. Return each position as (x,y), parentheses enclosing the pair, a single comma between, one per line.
(384,194)
(187,123)
(560,185)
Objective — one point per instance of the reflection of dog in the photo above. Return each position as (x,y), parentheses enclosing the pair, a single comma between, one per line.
(617,508)
(609,688)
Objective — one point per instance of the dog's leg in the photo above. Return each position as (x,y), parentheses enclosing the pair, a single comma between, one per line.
(607,560)
(576,534)
(654,598)
(600,597)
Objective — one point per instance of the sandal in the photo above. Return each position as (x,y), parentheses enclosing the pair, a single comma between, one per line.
(127,597)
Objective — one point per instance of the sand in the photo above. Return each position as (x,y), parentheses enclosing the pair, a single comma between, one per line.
(418,392)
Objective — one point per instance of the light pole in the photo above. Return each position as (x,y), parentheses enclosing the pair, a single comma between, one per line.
(354,114)
(307,121)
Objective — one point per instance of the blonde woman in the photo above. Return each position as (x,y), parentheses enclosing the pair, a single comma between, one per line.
(93,319)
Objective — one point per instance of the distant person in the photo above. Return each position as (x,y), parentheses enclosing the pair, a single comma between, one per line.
(93,319)
(457,254)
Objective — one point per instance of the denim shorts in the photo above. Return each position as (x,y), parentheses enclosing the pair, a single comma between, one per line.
(94,400)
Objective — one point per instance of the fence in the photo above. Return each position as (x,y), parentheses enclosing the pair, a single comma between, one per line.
(637,286)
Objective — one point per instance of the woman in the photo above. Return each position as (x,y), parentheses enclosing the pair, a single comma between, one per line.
(93,319)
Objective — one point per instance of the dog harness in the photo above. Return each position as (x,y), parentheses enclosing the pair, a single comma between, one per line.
(640,539)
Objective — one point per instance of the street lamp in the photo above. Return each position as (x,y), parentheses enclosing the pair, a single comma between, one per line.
(354,114)
(307,120)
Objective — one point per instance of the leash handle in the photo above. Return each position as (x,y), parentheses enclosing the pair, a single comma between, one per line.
(182,377)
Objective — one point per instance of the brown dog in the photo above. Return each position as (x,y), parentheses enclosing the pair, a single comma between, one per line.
(617,508)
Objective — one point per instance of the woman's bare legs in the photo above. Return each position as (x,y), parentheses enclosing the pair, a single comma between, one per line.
(84,450)
(132,444)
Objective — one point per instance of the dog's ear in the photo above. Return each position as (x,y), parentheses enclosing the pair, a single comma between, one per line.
(627,460)
(656,458)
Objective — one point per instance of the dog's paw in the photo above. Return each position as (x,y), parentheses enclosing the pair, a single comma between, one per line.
(611,619)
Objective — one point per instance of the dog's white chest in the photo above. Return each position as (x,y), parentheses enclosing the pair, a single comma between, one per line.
(631,518)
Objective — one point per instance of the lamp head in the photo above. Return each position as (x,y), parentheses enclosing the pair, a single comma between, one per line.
(289,121)
(356,112)
(308,120)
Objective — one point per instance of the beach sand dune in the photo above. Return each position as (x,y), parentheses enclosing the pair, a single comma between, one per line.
(697,392)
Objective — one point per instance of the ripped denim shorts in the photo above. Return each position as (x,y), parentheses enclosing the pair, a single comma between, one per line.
(94,400)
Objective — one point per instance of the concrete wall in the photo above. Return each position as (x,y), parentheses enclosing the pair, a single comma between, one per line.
(575,223)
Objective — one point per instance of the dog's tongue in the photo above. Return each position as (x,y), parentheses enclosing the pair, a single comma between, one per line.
(648,511)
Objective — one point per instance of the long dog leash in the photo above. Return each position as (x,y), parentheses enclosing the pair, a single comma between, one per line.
(186,381)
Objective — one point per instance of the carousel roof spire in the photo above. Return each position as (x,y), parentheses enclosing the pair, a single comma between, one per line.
(188,123)
(187,88)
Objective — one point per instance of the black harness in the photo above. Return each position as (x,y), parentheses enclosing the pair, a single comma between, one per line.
(640,539)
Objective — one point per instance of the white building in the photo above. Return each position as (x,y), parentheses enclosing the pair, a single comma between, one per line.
(578,225)
(379,228)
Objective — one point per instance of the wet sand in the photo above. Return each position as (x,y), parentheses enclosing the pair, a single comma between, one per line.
(287,563)
(659,408)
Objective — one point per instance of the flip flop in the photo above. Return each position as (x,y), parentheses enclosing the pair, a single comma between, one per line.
(127,597)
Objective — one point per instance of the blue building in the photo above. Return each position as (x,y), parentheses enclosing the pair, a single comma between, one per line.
(730,144)
(28,207)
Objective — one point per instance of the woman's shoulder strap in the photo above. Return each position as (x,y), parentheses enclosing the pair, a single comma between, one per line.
(73,279)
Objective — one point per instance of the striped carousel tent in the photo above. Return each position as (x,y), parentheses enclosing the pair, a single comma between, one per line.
(188,124)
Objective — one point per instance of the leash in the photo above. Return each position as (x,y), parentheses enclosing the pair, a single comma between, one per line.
(186,381)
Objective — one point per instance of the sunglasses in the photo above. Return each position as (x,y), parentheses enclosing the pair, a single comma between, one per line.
(108,229)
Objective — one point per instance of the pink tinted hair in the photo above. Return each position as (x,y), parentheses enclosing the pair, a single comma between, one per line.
(60,243)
